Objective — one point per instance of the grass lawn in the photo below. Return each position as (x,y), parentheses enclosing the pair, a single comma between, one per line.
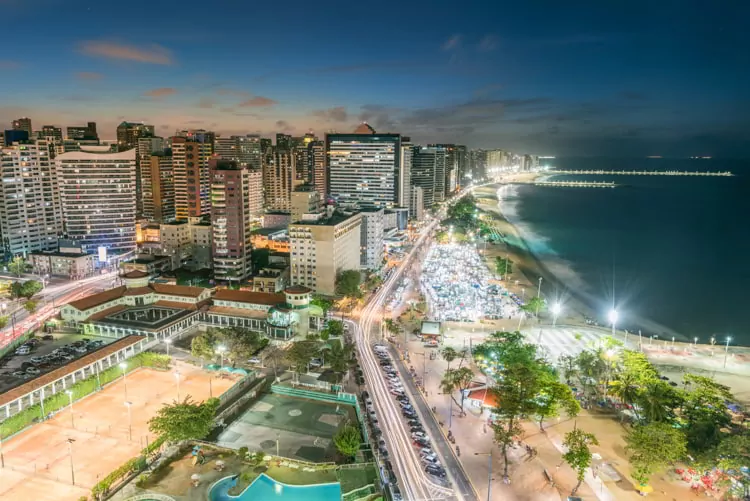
(354,478)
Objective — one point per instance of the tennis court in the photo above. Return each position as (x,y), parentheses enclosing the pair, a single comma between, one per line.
(303,428)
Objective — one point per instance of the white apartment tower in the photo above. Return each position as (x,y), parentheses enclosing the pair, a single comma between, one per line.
(372,246)
(30,219)
(97,196)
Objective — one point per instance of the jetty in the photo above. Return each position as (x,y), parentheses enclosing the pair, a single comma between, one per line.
(642,173)
(577,184)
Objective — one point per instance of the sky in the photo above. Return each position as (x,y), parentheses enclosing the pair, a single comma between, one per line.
(617,78)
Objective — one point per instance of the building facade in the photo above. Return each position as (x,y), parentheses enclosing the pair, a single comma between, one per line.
(316,157)
(428,173)
(97,197)
(372,248)
(157,185)
(277,178)
(192,188)
(322,247)
(364,167)
(129,132)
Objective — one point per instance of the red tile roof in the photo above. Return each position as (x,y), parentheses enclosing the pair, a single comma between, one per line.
(138,291)
(297,289)
(135,274)
(107,312)
(238,312)
(487,397)
(265,298)
(177,290)
(103,297)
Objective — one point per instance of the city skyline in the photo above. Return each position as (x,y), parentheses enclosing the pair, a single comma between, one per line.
(547,80)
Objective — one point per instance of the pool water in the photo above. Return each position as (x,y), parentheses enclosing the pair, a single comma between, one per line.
(265,488)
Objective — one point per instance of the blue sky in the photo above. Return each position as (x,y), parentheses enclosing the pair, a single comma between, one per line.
(587,78)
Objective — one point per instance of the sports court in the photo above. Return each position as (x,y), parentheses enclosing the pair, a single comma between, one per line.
(38,460)
(304,428)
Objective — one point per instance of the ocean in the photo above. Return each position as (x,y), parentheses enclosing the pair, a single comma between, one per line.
(674,251)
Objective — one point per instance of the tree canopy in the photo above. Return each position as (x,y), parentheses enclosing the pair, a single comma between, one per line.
(652,447)
(238,344)
(25,289)
(347,283)
(299,354)
(348,440)
(578,455)
(18,266)
(185,420)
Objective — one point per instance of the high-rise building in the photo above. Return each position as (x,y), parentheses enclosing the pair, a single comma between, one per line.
(144,148)
(478,164)
(462,160)
(231,219)
(97,196)
(316,165)
(455,161)
(244,149)
(428,173)
(416,206)
(23,123)
(283,141)
(363,167)
(227,148)
(30,219)
(265,144)
(157,183)
(301,165)
(305,200)
(372,247)
(129,132)
(191,177)
(404,177)
(52,134)
(277,179)
(88,132)
(323,246)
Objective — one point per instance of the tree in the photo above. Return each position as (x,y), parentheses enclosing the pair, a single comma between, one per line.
(25,289)
(339,357)
(240,342)
(347,283)
(392,327)
(4,319)
(274,355)
(536,305)
(653,446)
(449,355)
(457,379)
(567,364)
(732,455)
(31,306)
(18,266)
(578,455)
(705,413)
(322,303)
(626,389)
(335,328)
(186,420)
(503,266)
(204,345)
(658,401)
(299,354)
(554,396)
(348,440)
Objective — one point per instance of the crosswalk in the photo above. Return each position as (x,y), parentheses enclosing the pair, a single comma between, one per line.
(555,342)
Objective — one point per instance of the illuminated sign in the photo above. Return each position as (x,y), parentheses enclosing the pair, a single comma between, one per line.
(102,254)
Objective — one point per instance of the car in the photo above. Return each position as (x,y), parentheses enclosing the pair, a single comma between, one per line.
(365,394)
(408,414)
(32,342)
(36,360)
(416,429)
(81,349)
(406,406)
(48,337)
(23,350)
(419,442)
(254,360)
(435,471)
(33,371)
(397,391)
(430,459)
(20,374)
(316,362)
(414,422)
(426,451)
(419,434)
(383,451)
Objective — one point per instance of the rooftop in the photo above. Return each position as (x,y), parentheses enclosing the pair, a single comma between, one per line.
(104,297)
(135,274)
(60,254)
(264,298)
(336,218)
(269,231)
(297,289)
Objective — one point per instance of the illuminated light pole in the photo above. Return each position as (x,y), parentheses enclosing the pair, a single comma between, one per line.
(613,315)
(489,474)
(672,343)
(168,342)
(713,342)
(221,350)
(130,420)
(556,309)
(726,352)
(177,376)
(70,399)
(539,295)
(124,366)
(695,341)
(70,454)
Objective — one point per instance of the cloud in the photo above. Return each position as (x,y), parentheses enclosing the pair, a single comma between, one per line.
(284,126)
(257,102)
(335,114)
(452,43)
(89,75)
(488,43)
(234,92)
(206,103)
(9,65)
(152,54)
(161,92)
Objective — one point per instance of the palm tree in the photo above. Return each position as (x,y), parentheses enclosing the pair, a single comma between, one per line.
(626,389)
(657,401)
(449,355)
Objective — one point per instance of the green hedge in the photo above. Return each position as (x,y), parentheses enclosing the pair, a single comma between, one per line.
(134,465)
(84,387)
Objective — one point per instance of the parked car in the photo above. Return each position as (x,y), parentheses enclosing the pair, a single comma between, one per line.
(435,471)
(48,337)
(33,371)
(23,350)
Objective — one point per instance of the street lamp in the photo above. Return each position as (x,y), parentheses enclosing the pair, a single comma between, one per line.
(556,309)
(130,420)
(70,398)
(489,474)
(70,454)
(220,350)
(726,352)
(168,342)
(613,315)
(695,341)
(177,376)
(124,366)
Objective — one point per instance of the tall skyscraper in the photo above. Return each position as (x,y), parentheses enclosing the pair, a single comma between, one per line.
(157,182)
(144,148)
(23,123)
(30,218)
(277,179)
(88,132)
(305,201)
(404,177)
(363,168)
(129,132)
(428,173)
(462,160)
(243,149)
(372,246)
(231,219)
(191,177)
(478,164)
(316,165)
(52,134)
(97,196)
(265,144)
(283,141)
(416,205)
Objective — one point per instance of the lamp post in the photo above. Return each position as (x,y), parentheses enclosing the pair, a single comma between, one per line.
(489,473)
(130,420)
(70,454)
(124,366)
(168,342)
(70,399)
(556,309)
(695,341)
(672,343)
(726,352)
(2,458)
(278,435)
(221,349)
(613,315)
(177,376)
(539,296)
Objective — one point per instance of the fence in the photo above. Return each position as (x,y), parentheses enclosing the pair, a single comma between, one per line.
(338,398)
(361,493)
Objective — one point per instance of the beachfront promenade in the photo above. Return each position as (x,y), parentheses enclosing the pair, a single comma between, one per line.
(642,173)
(577,184)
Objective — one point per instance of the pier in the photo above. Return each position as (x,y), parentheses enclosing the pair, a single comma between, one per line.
(577,184)
(642,173)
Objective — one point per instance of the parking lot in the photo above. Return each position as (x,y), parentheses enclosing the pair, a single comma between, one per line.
(458,285)
(49,351)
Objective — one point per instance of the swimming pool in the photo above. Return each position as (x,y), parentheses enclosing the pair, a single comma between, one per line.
(265,488)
